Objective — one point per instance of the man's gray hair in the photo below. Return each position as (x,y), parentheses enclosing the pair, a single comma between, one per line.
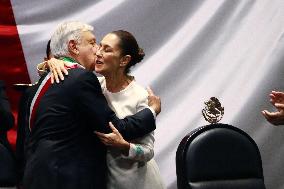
(65,32)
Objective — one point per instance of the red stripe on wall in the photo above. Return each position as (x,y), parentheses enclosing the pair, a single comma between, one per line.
(12,62)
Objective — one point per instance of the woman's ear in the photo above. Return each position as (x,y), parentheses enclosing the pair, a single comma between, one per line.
(125,60)
(72,46)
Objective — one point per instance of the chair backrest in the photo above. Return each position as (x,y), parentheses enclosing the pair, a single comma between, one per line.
(218,156)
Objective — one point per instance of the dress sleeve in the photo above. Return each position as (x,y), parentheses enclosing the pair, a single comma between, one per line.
(143,148)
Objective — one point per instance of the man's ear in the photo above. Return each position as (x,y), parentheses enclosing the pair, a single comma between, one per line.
(125,60)
(72,46)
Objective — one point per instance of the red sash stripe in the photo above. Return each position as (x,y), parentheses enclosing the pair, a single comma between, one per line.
(35,102)
(40,92)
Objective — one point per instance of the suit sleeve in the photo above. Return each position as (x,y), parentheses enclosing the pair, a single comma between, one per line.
(95,108)
(6,116)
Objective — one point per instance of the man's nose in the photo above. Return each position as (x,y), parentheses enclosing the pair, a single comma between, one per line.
(95,48)
(98,53)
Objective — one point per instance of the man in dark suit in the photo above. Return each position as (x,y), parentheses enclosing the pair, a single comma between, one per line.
(63,151)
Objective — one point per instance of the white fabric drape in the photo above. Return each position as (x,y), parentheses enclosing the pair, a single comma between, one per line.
(195,49)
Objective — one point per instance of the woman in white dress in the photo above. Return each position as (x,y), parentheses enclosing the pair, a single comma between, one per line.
(130,164)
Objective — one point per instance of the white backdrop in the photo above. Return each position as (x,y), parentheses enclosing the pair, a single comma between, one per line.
(195,49)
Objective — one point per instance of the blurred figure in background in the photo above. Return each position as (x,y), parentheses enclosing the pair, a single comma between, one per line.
(7,160)
(276,117)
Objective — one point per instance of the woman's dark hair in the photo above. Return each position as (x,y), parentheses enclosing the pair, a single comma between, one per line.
(129,46)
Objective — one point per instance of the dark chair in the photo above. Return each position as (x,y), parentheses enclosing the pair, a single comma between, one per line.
(218,156)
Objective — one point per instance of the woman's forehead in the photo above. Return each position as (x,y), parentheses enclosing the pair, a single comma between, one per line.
(110,39)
